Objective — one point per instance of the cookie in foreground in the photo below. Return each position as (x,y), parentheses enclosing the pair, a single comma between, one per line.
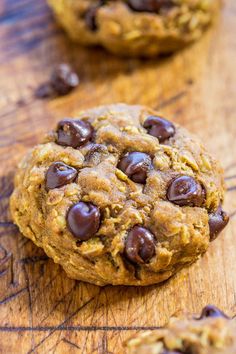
(143,28)
(120,195)
(212,333)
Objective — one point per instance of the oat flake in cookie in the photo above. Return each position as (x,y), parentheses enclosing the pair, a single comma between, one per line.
(136,27)
(120,195)
(212,333)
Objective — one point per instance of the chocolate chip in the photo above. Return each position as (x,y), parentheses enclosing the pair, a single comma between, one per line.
(211,311)
(217,222)
(150,5)
(185,190)
(159,127)
(135,165)
(90,16)
(45,90)
(83,220)
(73,133)
(64,79)
(139,245)
(59,174)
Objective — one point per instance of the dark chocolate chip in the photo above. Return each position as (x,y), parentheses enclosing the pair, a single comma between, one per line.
(45,90)
(159,127)
(83,220)
(90,16)
(150,5)
(217,222)
(212,311)
(136,166)
(74,133)
(64,79)
(59,174)
(139,245)
(185,190)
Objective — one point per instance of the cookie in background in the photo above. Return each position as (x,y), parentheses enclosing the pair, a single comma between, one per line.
(211,333)
(142,28)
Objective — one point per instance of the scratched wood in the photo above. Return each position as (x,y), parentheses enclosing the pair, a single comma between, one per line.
(41,310)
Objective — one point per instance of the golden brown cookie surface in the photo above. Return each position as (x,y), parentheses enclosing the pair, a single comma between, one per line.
(212,333)
(135,27)
(120,195)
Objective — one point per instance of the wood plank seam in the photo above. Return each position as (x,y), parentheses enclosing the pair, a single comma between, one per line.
(78,328)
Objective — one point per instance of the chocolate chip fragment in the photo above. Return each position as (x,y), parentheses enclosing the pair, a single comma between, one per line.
(212,311)
(64,79)
(45,90)
(217,222)
(90,16)
(150,5)
(73,133)
(83,220)
(159,127)
(185,190)
(59,174)
(136,166)
(139,245)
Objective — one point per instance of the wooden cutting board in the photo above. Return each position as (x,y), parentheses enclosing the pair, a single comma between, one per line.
(41,310)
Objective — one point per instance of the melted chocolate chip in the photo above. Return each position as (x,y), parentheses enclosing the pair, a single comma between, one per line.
(83,220)
(150,5)
(159,127)
(136,166)
(185,190)
(73,133)
(59,174)
(217,222)
(139,245)
(212,311)
(64,79)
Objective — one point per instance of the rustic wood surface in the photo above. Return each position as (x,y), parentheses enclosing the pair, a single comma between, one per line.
(41,310)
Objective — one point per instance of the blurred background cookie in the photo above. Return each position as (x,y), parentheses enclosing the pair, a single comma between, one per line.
(135,27)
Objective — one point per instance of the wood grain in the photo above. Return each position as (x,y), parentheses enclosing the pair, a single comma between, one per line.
(41,310)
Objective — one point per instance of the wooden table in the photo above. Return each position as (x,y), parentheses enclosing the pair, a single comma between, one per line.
(41,310)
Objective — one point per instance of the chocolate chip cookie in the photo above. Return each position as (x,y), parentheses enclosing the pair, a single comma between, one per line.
(212,333)
(120,195)
(135,27)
